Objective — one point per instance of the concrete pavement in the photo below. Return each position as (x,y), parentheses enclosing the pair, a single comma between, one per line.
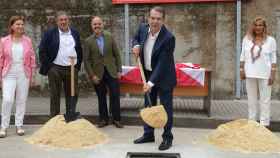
(189,142)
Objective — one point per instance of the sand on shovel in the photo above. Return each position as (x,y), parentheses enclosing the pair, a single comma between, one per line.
(245,136)
(154,116)
(77,134)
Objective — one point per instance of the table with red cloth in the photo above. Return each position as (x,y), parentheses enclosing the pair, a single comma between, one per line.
(192,80)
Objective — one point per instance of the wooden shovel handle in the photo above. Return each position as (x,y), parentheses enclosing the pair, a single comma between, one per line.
(72,60)
(141,70)
(144,81)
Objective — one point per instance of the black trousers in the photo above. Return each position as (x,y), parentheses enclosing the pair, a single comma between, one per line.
(166,99)
(59,76)
(114,93)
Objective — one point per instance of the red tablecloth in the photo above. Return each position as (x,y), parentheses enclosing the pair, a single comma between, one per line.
(187,75)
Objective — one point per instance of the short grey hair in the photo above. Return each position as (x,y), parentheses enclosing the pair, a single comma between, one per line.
(60,13)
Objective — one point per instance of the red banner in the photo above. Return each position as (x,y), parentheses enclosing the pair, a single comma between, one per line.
(165,1)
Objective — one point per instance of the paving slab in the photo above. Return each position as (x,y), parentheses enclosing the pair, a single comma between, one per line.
(187,111)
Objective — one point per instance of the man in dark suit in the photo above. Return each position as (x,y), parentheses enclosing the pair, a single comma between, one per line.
(154,44)
(103,65)
(57,46)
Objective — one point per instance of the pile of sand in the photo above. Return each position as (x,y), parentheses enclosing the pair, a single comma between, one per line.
(245,136)
(77,134)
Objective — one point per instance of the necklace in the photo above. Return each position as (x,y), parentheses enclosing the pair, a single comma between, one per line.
(254,58)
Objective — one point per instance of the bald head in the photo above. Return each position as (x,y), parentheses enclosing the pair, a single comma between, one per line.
(97,25)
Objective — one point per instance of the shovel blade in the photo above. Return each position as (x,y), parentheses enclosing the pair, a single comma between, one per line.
(154,116)
(71,114)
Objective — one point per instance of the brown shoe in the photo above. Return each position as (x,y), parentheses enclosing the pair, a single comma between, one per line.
(118,124)
(102,124)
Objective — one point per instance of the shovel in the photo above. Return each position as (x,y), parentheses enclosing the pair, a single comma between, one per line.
(154,116)
(71,114)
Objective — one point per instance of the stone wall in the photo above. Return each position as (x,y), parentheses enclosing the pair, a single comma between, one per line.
(205,32)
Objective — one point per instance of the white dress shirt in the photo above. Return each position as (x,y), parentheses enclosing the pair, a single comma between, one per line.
(148,49)
(66,49)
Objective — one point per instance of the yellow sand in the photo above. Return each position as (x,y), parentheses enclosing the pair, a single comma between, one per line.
(77,134)
(245,136)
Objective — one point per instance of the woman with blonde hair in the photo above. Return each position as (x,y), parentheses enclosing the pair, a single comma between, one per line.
(258,67)
(17,62)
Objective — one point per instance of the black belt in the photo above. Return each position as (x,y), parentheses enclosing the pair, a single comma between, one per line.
(61,67)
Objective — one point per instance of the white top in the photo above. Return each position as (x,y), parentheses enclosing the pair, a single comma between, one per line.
(261,68)
(66,49)
(148,49)
(17,53)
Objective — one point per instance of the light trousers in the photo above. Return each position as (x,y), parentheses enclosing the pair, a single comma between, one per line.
(259,87)
(15,86)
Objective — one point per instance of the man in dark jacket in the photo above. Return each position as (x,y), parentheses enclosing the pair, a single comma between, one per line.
(57,46)
(155,45)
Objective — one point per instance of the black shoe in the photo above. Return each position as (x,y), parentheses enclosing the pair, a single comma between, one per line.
(102,123)
(165,144)
(144,139)
(118,124)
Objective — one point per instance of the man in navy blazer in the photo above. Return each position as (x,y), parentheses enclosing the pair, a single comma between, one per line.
(155,45)
(57,46)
